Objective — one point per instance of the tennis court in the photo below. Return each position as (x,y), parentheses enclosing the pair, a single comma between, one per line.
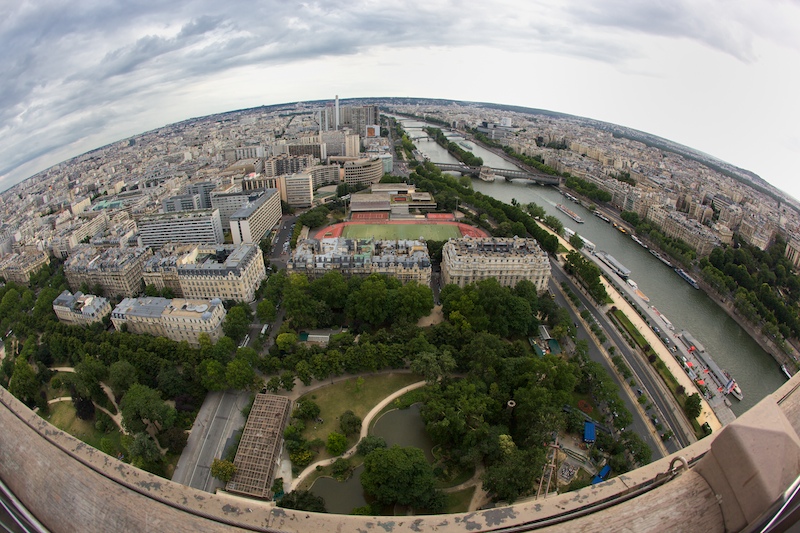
(429,232)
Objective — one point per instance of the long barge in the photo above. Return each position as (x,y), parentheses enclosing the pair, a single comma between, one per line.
(618,268)
(687,278)
(724,382)
(571,214)
(601,216)
(661,258)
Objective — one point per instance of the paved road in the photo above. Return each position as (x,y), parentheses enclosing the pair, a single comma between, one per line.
(640,425)
(217,421)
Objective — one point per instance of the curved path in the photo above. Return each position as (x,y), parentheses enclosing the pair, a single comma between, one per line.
(364,431)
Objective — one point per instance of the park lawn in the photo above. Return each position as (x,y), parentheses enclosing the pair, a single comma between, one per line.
(430,232)
(53,393)
(335,399)
(458,502)
(62,415)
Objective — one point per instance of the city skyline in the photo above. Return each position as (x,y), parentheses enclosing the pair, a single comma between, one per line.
(709,75)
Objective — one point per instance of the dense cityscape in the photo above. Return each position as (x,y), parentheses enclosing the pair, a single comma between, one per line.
(235,302)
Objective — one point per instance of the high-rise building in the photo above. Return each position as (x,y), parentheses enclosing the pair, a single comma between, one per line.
(201,226)
(182,202)
(250,223)
(364,171)
(204,189)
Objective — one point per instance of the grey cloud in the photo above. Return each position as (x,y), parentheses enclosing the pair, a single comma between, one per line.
(61,60)
(715,24)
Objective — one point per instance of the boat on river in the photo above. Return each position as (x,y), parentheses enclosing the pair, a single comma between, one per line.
(723,380)
(638,241)
(689,279)
(660,258)
(618,268)
(601,216)
(571,214)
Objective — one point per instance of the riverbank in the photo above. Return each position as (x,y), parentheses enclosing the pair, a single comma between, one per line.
(762,340)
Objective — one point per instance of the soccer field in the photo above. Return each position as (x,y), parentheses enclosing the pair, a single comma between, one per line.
(429,232)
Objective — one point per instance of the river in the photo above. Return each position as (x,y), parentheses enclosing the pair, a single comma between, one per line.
(687,308)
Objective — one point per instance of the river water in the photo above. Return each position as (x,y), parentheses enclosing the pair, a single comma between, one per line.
(731,347)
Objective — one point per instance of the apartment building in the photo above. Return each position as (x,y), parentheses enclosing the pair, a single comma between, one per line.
(190,271)
(18,267)
(201,226)
(177,319)
(203,189)
(509,260)
(80,309)
(406,260)
(363,171)
(181,202)
(287,164)
(117,271)
(250,223)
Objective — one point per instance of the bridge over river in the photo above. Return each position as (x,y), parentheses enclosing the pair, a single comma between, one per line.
(540,178)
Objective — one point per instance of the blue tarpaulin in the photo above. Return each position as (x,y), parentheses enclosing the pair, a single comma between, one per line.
(601,475)
(588,432)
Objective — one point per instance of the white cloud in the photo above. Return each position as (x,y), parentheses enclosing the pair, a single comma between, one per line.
(714,75)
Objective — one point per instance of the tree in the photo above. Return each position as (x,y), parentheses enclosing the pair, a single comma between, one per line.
(513,476)
(370,303)
(174,439)
(287,380)
(121,375)
(24,383)
(223,470)
(240,375)
(236,323)
(693,406)
(306,410)
(336,443)
(400,476)
(433,366)
(265,311)
(302,500)
(212,375)
(142,403)
(349,423)
(413,301)
(370,443)
(576,241)
(144,447)
(286,341)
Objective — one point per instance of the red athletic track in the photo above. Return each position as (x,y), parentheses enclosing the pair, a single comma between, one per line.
(335,230)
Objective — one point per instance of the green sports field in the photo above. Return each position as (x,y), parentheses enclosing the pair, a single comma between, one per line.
(429,232)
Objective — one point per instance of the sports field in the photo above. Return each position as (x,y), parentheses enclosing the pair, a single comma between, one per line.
(429,232)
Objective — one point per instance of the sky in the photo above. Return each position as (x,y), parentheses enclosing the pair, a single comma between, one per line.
(720,76)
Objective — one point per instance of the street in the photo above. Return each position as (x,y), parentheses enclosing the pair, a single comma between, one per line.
(217,421)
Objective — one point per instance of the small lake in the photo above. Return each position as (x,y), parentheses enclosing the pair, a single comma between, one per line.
(341,497)
(403,427)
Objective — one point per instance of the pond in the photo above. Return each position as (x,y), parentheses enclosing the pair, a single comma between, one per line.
(403,427)
(341,497)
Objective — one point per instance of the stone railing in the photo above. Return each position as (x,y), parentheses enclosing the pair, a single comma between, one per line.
(726,482)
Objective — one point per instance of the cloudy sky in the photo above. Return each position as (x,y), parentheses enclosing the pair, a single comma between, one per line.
(721,76)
